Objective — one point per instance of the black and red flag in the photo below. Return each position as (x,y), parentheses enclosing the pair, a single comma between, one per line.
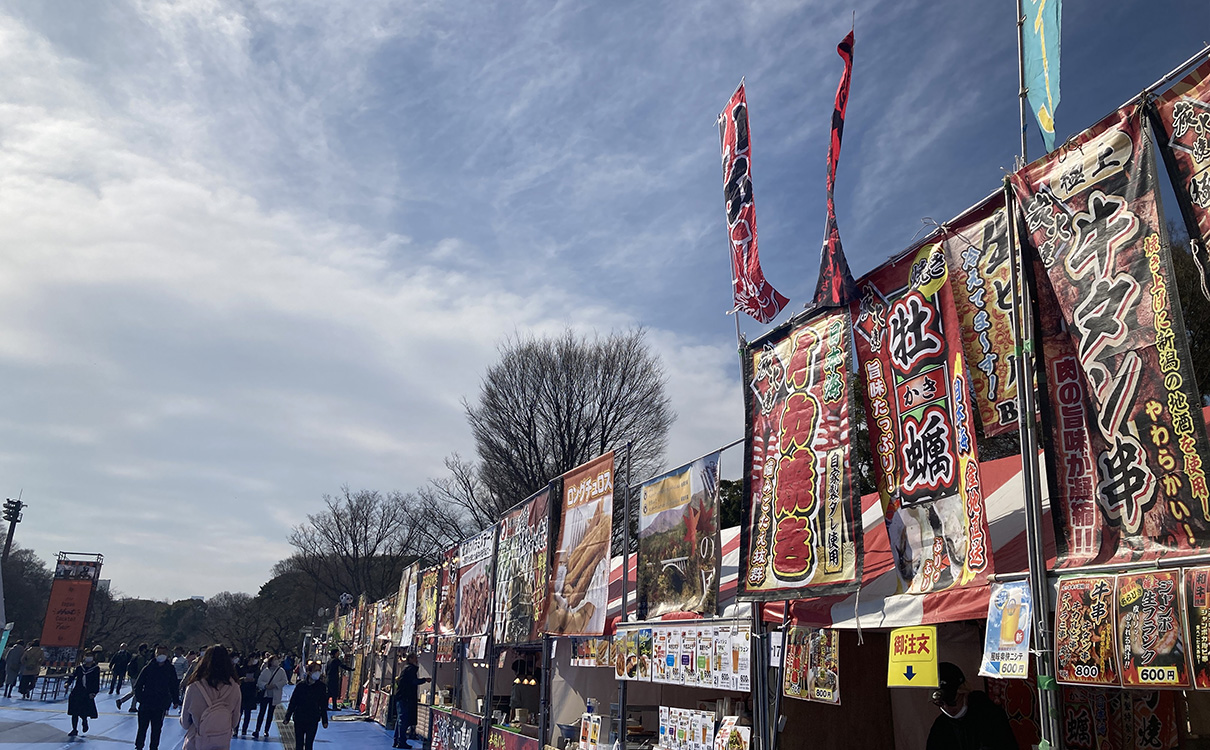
(753,294)
(835,287)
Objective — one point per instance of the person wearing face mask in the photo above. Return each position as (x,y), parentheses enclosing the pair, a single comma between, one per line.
(248,674)
(117,668)
(85,683)
(272,679)
(969,720)
(156,691)
(308,707)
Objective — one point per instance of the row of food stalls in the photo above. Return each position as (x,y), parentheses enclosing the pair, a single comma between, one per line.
(1068,588)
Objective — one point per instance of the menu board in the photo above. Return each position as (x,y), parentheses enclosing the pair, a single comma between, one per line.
(685,729)
(475,557)
(1151,647)
(1197,624)
(1006,646)
(812,667)
(1084,631)
(447,620)
(522,571)
(710,655)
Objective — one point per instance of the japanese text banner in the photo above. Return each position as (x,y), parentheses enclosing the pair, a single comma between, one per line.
(801,527)
(977,250)
(476,557)
(921,423)
(1127,424)
(1184,120)
(523,565)
(579,590)
(680,550)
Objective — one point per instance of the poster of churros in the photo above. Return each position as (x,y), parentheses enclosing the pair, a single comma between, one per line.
(580,588)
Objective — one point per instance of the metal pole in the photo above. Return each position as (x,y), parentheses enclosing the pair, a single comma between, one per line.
(1021,70)
(544,693)
(1023,368)
(626,587)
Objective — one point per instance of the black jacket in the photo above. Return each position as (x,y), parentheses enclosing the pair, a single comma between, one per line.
(120,661)
(157,688)
(407,684)
(333,668)
(135,666)
(984,726)
(86,679)
(308,703)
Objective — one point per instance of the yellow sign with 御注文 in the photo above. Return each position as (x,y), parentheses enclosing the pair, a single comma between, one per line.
(913,657)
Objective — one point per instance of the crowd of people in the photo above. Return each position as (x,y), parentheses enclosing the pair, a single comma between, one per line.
(216,690)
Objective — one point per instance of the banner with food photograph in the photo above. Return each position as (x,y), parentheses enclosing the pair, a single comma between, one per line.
(1084,631)
(476,558)
(921,423)
(522,570)
(427,596)
(977,249)
(407,604)
(1093,219)
(1152,651)
(579,593)
(1183,115)
(800,533)
(680,549)
(447,621)
(812,666)
(1197,624)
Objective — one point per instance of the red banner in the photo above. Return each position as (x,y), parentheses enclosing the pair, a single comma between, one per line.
(753,294)
(977,250)
(1084,631)
(801,528)
(921,423)
(1183,115)
(447,621)
(1151,645)
(1092,216)
(835,286)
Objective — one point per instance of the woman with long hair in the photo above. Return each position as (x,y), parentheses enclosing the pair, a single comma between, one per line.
(212,699)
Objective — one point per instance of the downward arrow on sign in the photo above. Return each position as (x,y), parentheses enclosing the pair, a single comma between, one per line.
(909,672)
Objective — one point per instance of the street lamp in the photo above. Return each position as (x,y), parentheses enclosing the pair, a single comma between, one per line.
(12,514)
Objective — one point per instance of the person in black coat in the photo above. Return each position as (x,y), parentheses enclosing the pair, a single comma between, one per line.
(85,683)
(308,707)
(407,699)
(333,674)
(248,674)
(117,668)
(969,720)
(156,690)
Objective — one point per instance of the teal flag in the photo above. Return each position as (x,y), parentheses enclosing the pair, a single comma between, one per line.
(1041,37)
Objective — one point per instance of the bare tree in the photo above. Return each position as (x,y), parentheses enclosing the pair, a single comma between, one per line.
(551,404)
(358,544)
(455,506)
(236,621)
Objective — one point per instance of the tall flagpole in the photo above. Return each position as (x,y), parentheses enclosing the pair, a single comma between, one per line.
(1023,92)
(1023,371)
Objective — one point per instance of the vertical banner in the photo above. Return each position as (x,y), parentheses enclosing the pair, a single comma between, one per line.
(447,621)
(1084,631)
(407,604)
(753,294)
(1183,114)
(1009,618)
(426,600)
(579,590)
(1040,38)
(522,570)
(1152,651)
(680,550)
(1092,214)
(812,670)
(67,611)
(978,255)
(834,287)
(1197,624)
(921,421)
(476,557)
(801,528)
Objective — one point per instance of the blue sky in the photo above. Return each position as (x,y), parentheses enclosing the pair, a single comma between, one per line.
(256,251)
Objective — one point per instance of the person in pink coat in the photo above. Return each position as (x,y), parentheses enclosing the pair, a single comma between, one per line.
(211,707)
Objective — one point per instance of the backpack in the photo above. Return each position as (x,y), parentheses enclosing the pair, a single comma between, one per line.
(214,725)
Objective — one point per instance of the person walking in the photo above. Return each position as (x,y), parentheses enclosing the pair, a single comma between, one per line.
(85,683)
(117,669)
(308,707)
(333,668)
(12,666)
(211,707)
(181,665)
(138,661)
(31,667)
(288,665)
(155,690)
(407,699)
(272,679)
(248,675)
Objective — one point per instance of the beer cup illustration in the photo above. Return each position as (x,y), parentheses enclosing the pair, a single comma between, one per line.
(1010,619)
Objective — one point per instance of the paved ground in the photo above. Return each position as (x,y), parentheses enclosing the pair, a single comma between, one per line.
(34,725)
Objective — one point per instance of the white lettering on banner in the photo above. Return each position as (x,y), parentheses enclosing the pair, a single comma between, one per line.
(590,488)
